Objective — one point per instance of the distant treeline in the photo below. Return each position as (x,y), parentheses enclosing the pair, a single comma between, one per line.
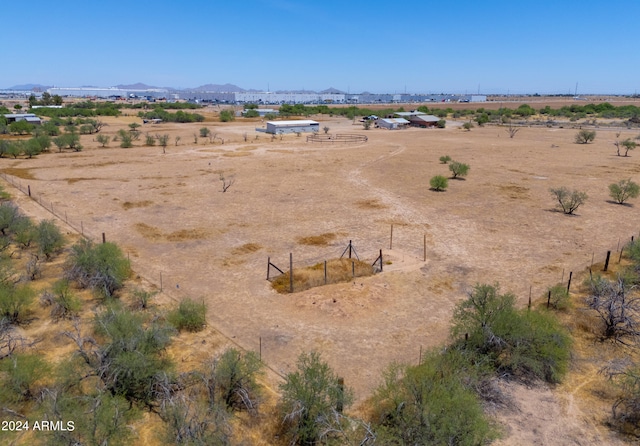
(90,109)
(179,116)
(603,110)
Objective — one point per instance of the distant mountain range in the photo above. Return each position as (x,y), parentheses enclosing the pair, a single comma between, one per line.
(214,88)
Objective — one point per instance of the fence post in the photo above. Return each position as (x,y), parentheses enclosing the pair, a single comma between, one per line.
(391,240)
(104,240)
(268,266)
(353,268)
(325,272)
(291,272)
(349,248)
(381,260)
(425,248)
(29,189)
(529,307)
(569,283)
(340,402)
(606,262)
(548,299)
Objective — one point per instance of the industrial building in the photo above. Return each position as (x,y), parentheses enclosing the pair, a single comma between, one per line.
(301,126)
(112,92)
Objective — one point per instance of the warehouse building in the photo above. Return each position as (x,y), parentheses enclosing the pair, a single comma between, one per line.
(392,123)
(301,126)
(29,117)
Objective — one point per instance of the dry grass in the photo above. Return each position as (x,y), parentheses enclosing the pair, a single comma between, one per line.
(338,271)
(317,240)
(136,204)
(237,154)
(370,204)
(19,172)
(247,248)
(149,232)
(187,234)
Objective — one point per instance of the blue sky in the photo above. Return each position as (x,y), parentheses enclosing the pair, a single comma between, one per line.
(488,46)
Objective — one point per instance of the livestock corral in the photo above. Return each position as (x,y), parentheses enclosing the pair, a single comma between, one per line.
(287,196)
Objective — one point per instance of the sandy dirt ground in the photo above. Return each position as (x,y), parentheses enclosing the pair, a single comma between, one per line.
(168,212)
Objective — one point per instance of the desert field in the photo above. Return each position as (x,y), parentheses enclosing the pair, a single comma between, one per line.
(182,233)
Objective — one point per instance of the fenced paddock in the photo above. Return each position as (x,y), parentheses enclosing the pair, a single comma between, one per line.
(347,138)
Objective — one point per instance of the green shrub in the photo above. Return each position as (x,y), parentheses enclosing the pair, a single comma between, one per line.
(22,374)
(585,136)
(131,362)
(227,116)
(190,316)
(310,399)
(431,403)
(234,374)
(102,267)
(524,343)
(64,303)
(438,183)
(458,169)
(445,159)
(49,238)
(559,297)
(15,302)
(623,190)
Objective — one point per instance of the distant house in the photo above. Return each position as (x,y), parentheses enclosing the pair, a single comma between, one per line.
(300,126)
(424,120)
(29,117)
(392,123)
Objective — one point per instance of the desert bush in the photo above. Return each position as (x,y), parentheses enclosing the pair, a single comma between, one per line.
(49,238)
(467,126)
(523,343)
(438,183)
(103,140)
(204,132)
(130,361)
(15,301)
(617,306)
(568,201)
(559,297)
(149,140)
(458,169)
(227,116)
(431,403)
(585,136)
(442,123)
(628,144)
(142,299)
(64,303)
(623,190)
(231,378)
(445,159)
(22,375)
(99,417)
(186,422)
(125,138)
(310,399)
(189,315)
(9,213)
(625,410)
(24,231)
(101,267)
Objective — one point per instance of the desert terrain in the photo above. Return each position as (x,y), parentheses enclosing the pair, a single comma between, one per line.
(499,224)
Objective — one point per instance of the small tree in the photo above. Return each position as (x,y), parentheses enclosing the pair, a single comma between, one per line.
(150,140)
(467,126)
(49,238)
(226,182)
(189,315)
(512,130)
(163,140)
(438,183)
(568,200)
(177,139)
(103,139)
(326,129)
(445,159)
(623,190)
(227,116)
(458,169)
(311,398)
(585,136)
(134,126)
(628,144)
(204,132)
(126,141)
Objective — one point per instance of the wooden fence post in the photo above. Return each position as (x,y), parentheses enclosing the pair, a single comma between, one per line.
(104,239)
(325,272)
(291,272)
(268,266)
(569,283)
(606,262)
